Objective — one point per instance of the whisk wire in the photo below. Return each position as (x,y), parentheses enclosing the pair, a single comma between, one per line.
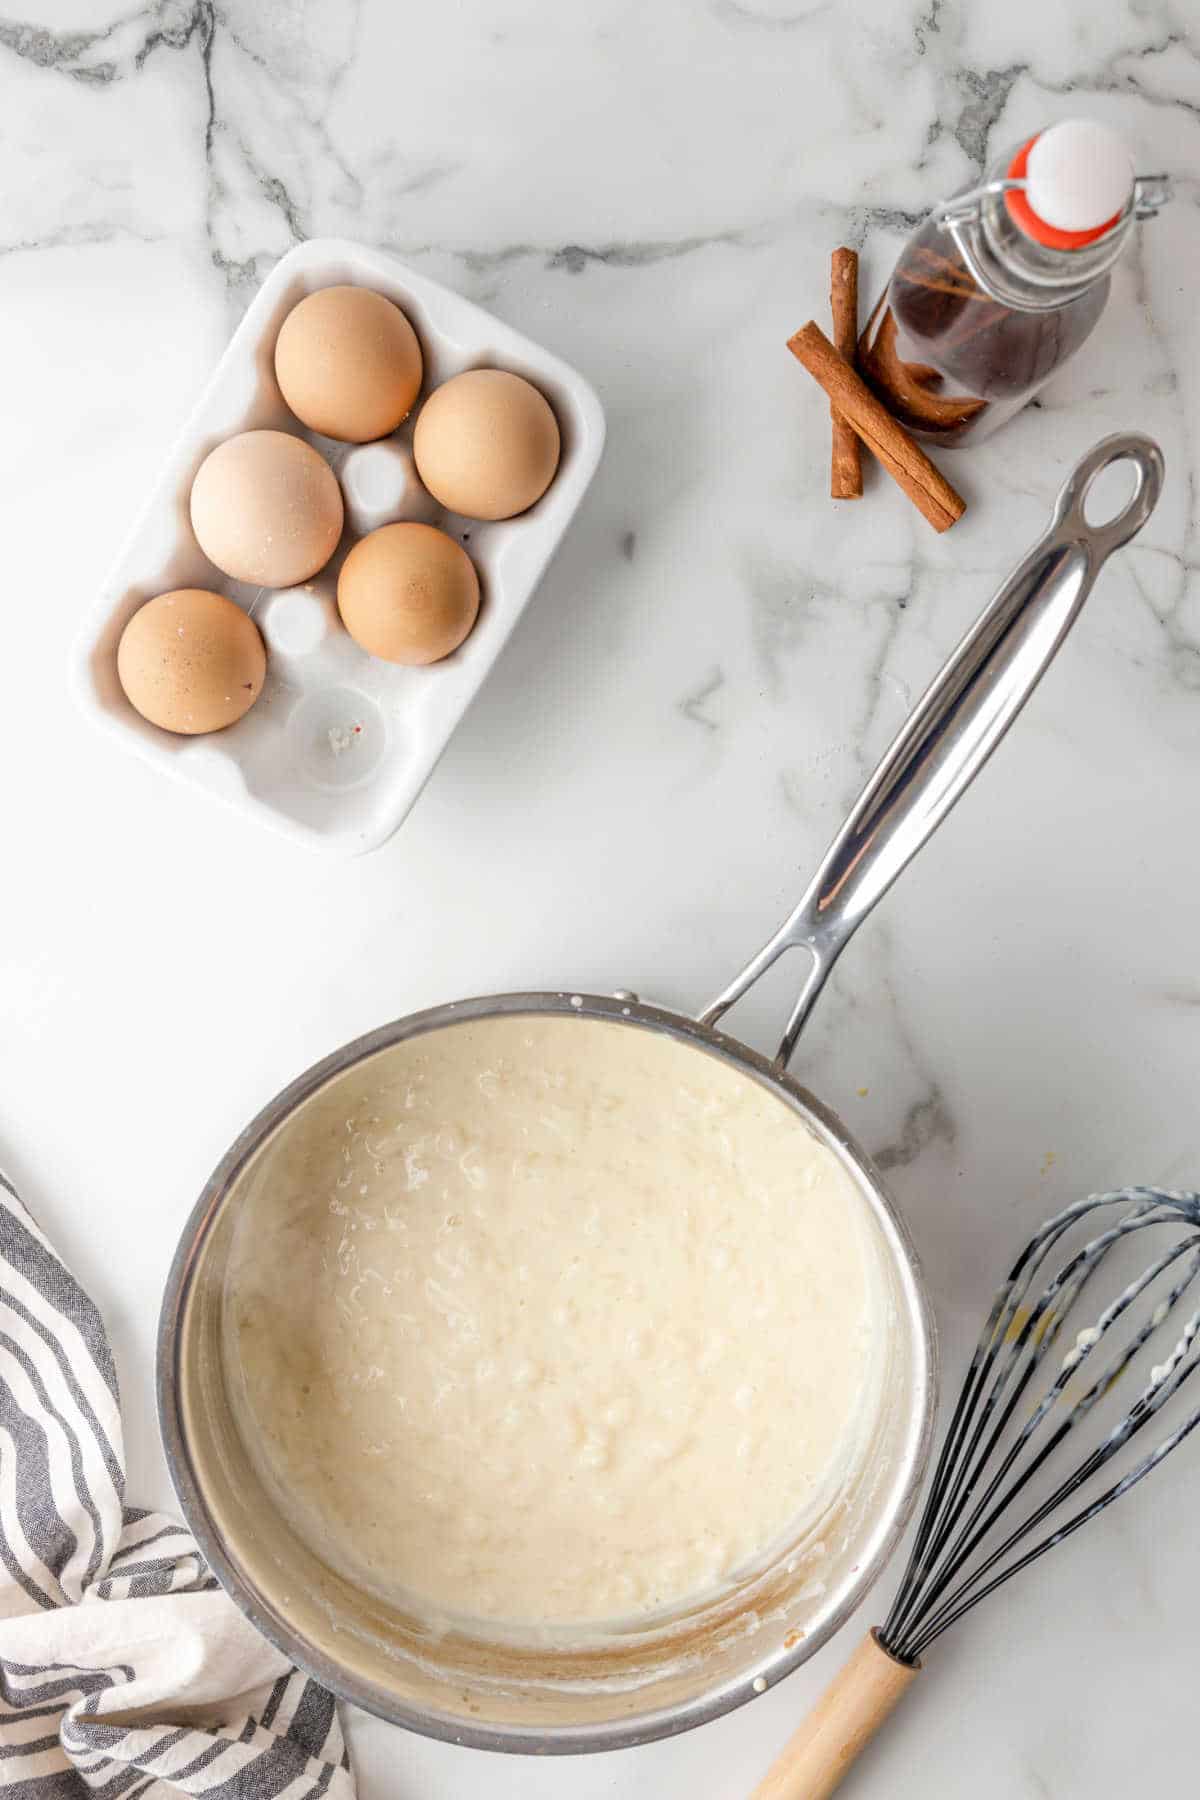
(969,1497)
(976,1526)
(944,1619)
(960,1444)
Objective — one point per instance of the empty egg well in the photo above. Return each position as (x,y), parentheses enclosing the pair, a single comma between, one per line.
(339,736)
(296,621)
(380,484)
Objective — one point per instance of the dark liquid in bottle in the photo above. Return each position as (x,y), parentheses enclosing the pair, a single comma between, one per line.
(950,362)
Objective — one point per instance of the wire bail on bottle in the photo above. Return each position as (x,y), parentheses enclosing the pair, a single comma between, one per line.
(962,217)
(964,222)
(1150,194)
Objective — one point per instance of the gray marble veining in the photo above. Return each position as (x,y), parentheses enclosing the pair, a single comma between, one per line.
(715,662)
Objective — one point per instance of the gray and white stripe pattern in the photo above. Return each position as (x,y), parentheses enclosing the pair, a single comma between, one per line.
(108,1612)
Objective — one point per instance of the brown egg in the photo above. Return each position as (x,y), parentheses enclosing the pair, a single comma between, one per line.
(266,508)
(191,661)
(348,363)
(408,593)
(486,444)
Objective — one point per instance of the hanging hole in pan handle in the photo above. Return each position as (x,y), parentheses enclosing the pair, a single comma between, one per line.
(1086,492)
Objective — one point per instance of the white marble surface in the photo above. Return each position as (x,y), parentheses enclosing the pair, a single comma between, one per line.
(713,663)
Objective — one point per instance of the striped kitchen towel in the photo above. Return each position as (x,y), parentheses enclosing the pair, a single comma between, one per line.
(124,1669)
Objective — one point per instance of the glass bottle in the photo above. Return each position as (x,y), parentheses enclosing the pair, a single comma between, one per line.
(1004,282)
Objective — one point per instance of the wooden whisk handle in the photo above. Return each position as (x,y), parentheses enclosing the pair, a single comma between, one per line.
(840,1726)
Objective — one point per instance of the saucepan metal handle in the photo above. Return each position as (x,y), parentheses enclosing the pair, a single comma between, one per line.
(957,724)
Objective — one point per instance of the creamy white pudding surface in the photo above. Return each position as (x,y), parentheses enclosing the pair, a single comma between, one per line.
(552,1321)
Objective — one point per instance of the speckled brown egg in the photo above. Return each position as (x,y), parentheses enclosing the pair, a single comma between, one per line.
(348,363)
(266,508)
(408,593)
(191,661)
(486,444)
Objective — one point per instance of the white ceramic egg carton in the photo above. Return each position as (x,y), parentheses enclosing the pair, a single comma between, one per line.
(339,744)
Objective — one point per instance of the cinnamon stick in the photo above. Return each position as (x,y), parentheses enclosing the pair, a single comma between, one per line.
(899,453)
(909,386)
(845,466)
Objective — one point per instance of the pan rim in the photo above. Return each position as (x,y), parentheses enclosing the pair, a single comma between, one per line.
(572,1739)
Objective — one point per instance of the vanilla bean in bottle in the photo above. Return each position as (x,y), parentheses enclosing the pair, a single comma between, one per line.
(1004,282)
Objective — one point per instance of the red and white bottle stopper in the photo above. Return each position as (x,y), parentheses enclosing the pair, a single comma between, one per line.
(1079,180)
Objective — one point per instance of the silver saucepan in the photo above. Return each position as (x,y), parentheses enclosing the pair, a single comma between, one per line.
(670,1676)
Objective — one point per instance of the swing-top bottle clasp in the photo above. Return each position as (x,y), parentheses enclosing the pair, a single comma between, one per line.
(1150,194)
(1060,273)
